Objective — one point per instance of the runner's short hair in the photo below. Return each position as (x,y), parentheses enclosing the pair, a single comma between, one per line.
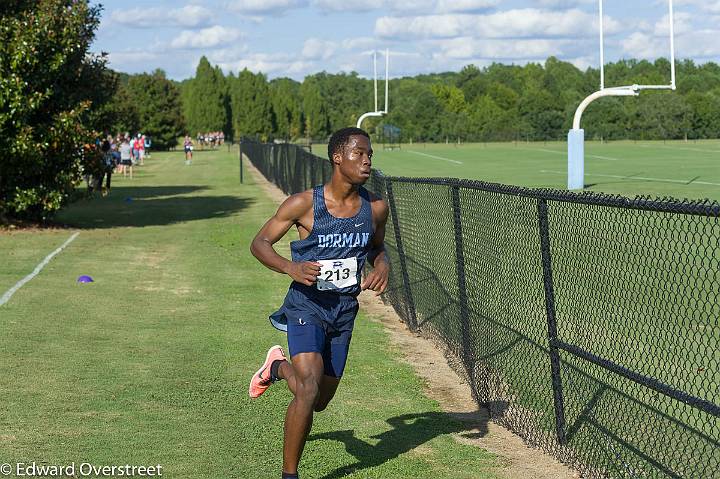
(340,139)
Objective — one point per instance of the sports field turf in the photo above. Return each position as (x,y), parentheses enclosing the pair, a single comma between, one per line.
(149,364)
(680,169)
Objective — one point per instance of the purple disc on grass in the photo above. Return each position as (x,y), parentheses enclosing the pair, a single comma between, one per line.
(84,279)
(128,199)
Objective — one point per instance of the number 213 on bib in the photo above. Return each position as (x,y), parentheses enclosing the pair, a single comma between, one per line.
(337,273)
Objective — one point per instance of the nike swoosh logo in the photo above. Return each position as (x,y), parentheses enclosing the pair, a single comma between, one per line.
(359,225)
(301,322)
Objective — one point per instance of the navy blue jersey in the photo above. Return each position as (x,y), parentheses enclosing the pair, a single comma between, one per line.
(338,239)
(341,245)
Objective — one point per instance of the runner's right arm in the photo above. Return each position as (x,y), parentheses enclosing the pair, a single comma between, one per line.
(290,213)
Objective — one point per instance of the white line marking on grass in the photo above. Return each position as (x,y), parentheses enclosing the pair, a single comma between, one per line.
(545,150)
(565,153)
(633,177)
(603,157)
(701,150)
(8,294)
(436,157)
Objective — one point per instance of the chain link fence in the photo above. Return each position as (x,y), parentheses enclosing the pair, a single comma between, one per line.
(586,323)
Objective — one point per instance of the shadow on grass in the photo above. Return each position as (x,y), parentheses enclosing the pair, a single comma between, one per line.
(150,206)
(408,432)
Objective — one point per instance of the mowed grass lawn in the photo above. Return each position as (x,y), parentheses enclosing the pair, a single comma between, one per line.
(674,168)
(150,363)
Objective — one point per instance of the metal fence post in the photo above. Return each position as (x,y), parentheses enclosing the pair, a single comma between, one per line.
(304,168)
(551,320)
(465,340)
(412,315)
(313,162)
(241,162)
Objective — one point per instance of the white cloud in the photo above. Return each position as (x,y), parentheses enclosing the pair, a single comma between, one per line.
(139,61)
(361,43)
(418,6)
(583,63)
(694,44)
(264,7)
(316,49)
(523,23)
(206,37)
(498,49)
(272,64)
(228,54)
(682,24)
(699,44)
(710,6)
(640,45)
(446,6)
(187,16)
(564,3)
(652,42)
(348,5)
(121,60)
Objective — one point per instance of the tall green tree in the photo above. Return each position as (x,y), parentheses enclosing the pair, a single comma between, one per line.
(206,99)
(250,103)
(415,111)
(51,90)
(472,82)
(661,117)
(285,97)
(607,119)
(450,97)
(346,96)
(157,100)
(542,114)
(123,112)
(706,114)
(317,123)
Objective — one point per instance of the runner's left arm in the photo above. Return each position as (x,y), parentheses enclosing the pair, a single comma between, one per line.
(377,279)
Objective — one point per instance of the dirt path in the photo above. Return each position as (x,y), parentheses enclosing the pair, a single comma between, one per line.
(449,390)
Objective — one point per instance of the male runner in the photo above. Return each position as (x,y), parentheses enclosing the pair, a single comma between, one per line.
(341,225)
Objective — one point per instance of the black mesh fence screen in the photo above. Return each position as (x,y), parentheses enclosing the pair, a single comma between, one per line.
(587,324)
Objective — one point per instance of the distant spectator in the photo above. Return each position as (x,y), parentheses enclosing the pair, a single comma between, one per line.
(114,150)
(126,157)
(139,147)
(108,164)
(188,145)
(148,143)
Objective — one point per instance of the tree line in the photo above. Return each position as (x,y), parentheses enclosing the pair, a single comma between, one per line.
(496,103)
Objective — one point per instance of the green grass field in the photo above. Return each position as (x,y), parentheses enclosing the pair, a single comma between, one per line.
(149,364)
(679,169)
(615,295)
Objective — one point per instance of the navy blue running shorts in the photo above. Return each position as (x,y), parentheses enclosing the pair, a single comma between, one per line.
(318,322)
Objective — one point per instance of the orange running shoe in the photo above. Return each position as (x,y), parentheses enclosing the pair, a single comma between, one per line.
(261,380)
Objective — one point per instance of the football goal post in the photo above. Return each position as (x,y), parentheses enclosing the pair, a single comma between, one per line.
(576,136)
(387,90)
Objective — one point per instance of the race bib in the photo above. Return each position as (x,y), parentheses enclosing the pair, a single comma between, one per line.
(337,273)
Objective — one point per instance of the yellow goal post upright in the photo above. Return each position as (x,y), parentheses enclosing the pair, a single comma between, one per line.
(387,79)
(576,136)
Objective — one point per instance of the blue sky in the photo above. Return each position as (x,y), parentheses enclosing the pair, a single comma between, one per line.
(297,37)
